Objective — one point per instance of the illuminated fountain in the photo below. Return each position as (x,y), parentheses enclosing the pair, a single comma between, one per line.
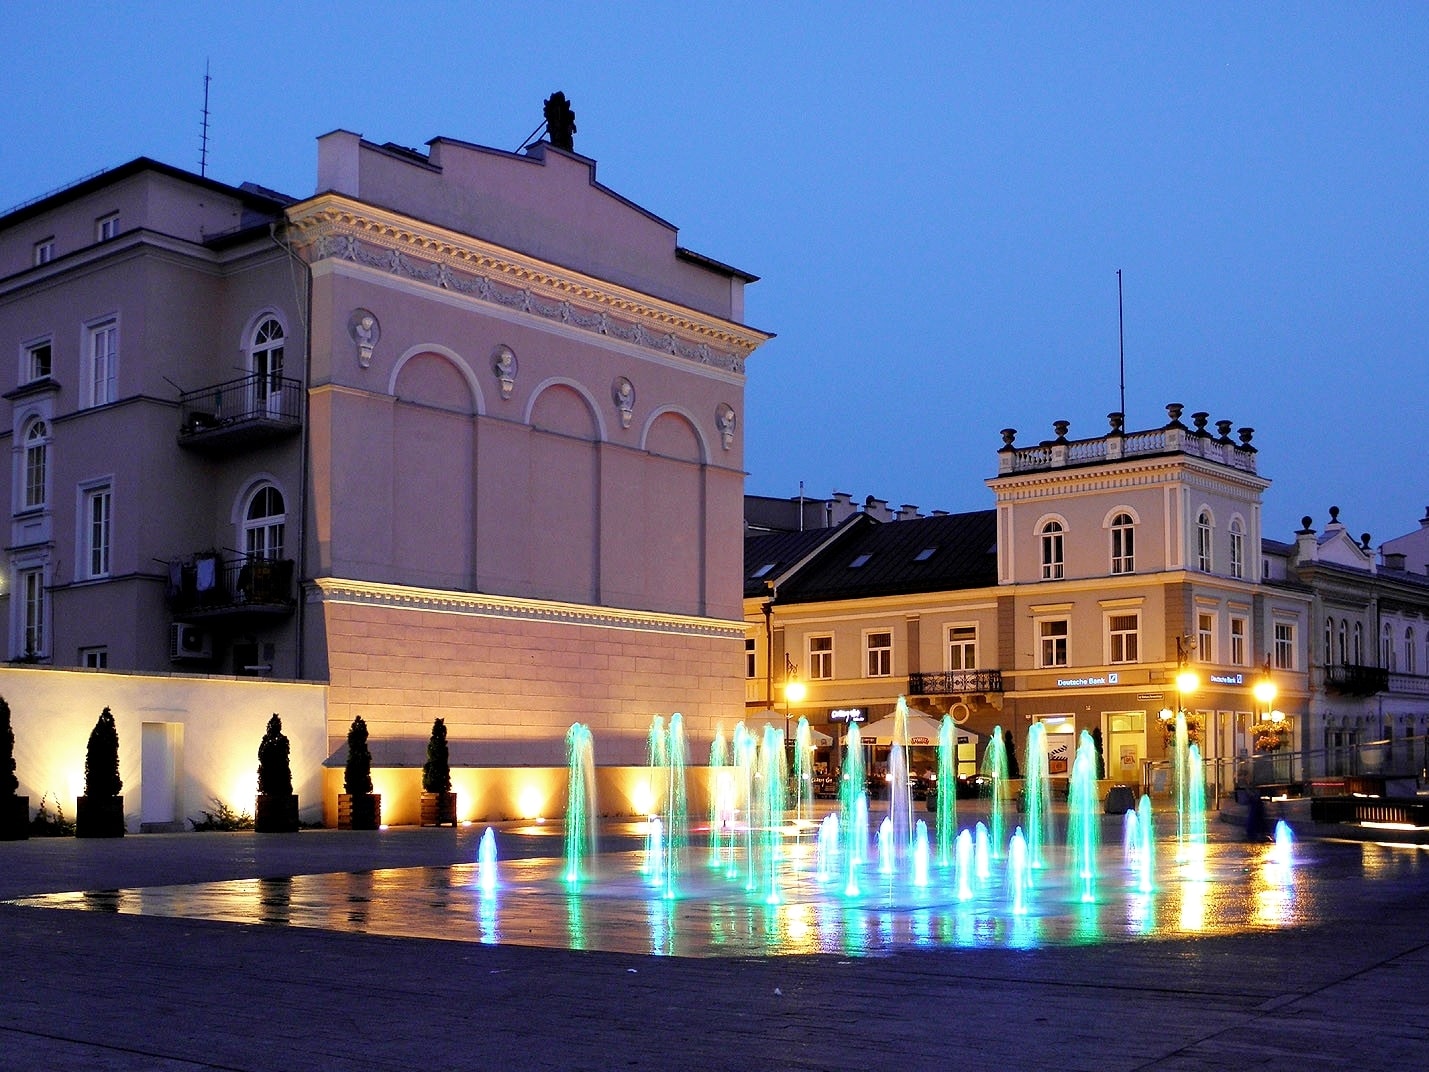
(994,769)
(580,836)
(945,822)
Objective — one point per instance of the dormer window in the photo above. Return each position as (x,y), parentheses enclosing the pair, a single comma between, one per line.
(925,554)
(860,561)
(762,571)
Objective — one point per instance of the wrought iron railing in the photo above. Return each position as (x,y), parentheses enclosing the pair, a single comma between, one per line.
(210,584)
(952,682)
(249,400)
(1349,679)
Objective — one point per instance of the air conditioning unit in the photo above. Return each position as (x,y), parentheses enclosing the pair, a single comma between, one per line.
(189,642)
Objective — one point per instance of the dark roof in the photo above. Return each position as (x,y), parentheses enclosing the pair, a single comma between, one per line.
(930,554)
(768,557)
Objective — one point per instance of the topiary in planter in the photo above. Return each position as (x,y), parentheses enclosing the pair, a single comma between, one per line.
(438,800)
(277,806)
(358,808)
(100,812)
(14,810)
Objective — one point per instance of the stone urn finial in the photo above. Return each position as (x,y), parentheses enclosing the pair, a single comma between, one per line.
(1224,428)
(1009,434)
(1060,427)
(1173,411)
(1117,420)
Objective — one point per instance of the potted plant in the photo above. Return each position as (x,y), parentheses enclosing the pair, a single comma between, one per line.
(14,809)
(438,800)
(100,812)
(277,807)
(358,808)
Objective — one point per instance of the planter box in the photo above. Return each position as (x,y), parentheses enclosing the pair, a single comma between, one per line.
(99,817)
(276,814)
(439,809)
(14,818)
(359,811)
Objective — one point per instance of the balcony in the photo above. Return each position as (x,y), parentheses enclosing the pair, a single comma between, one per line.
(955,683)
(1349,679)
(209,586)
(240,414)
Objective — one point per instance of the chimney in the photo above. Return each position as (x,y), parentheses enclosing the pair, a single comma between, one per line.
(908,512)
(1306,547)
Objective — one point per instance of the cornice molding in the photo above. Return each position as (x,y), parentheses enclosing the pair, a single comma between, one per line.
(481,605)
(333,227)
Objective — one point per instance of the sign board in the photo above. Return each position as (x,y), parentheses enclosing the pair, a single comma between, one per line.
(1090,681)
(847,714)
(1227,679)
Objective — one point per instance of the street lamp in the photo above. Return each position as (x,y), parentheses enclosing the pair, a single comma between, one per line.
(1272,721)
(794,692)
(1187,682)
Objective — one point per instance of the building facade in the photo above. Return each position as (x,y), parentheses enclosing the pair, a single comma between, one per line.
(458,436)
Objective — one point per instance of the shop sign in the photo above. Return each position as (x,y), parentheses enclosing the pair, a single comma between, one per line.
(847,714)
(1227,679)
(1088,682)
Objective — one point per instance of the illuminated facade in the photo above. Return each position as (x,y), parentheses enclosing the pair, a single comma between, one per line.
(1107,565)
(457,436)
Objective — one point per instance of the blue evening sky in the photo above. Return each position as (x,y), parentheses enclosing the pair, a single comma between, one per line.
(936,196)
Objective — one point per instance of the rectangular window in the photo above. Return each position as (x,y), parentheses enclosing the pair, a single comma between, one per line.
(97,505)
(106,227)
(1205,637)
(751,666)
(1053,648)
(1238,642)
(37,363)
(879,647)
(32,595)
(1123,634)
(94,658)
(1285,645)
(821,658)
(962,647)
(103,348)
(44,251)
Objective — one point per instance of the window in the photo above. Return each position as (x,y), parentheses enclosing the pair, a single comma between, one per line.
(1203,542)
(94,658)
(1205,637)
(1123,544)
(38,361)
(1409,650)
(925,554)
(1238,642)
(859,561)
(32,595)
(95,518)
(1285,645)
(821,658)
(751,667)
(1386,648)
(263,524)
(1053,564)
(44,251)
(1053,648)
(879,647)
(1329,641)
(265,359)
(1237,548)
(37,458)
(762,571)
(106,227)
(962,647)
(1343,652)
(103,348)
(1123,632)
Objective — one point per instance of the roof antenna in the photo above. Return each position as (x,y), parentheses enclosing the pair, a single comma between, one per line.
(203,138)
(1121,336)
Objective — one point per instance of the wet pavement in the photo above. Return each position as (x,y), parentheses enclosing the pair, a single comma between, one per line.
(353,950)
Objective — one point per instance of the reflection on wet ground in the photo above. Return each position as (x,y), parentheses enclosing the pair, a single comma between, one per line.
(1243,887)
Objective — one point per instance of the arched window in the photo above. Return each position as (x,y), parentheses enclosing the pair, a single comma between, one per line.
(1203,542)
(263,523)
(1386,648)
(1329,640)
(1343,652)
(1359,644)
(1409,650)
(1238,550)
(265,361)
(1123,544)
(1053,562)
(37,463)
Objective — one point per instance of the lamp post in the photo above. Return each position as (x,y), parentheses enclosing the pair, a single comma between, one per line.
(794,692)
(1187,682)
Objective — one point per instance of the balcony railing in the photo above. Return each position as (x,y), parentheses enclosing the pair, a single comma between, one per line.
(954,682)
(208,586)
(240,413)
(1349,679)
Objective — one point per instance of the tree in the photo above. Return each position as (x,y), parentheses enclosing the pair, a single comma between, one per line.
(436,771)
(9,784)
(1013,769)
(357,772)
(101,759)
(275,772)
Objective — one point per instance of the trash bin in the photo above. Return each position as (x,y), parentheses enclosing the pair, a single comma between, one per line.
(1120,799)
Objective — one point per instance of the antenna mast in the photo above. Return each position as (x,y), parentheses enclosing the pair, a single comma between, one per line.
(203,139)
(1121,337)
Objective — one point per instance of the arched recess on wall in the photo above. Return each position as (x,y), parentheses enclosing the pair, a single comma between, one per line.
(673,524)
(434,464)
(436,376)
(563,490)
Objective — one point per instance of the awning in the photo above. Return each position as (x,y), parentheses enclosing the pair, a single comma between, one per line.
(923,731)
(821,740)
